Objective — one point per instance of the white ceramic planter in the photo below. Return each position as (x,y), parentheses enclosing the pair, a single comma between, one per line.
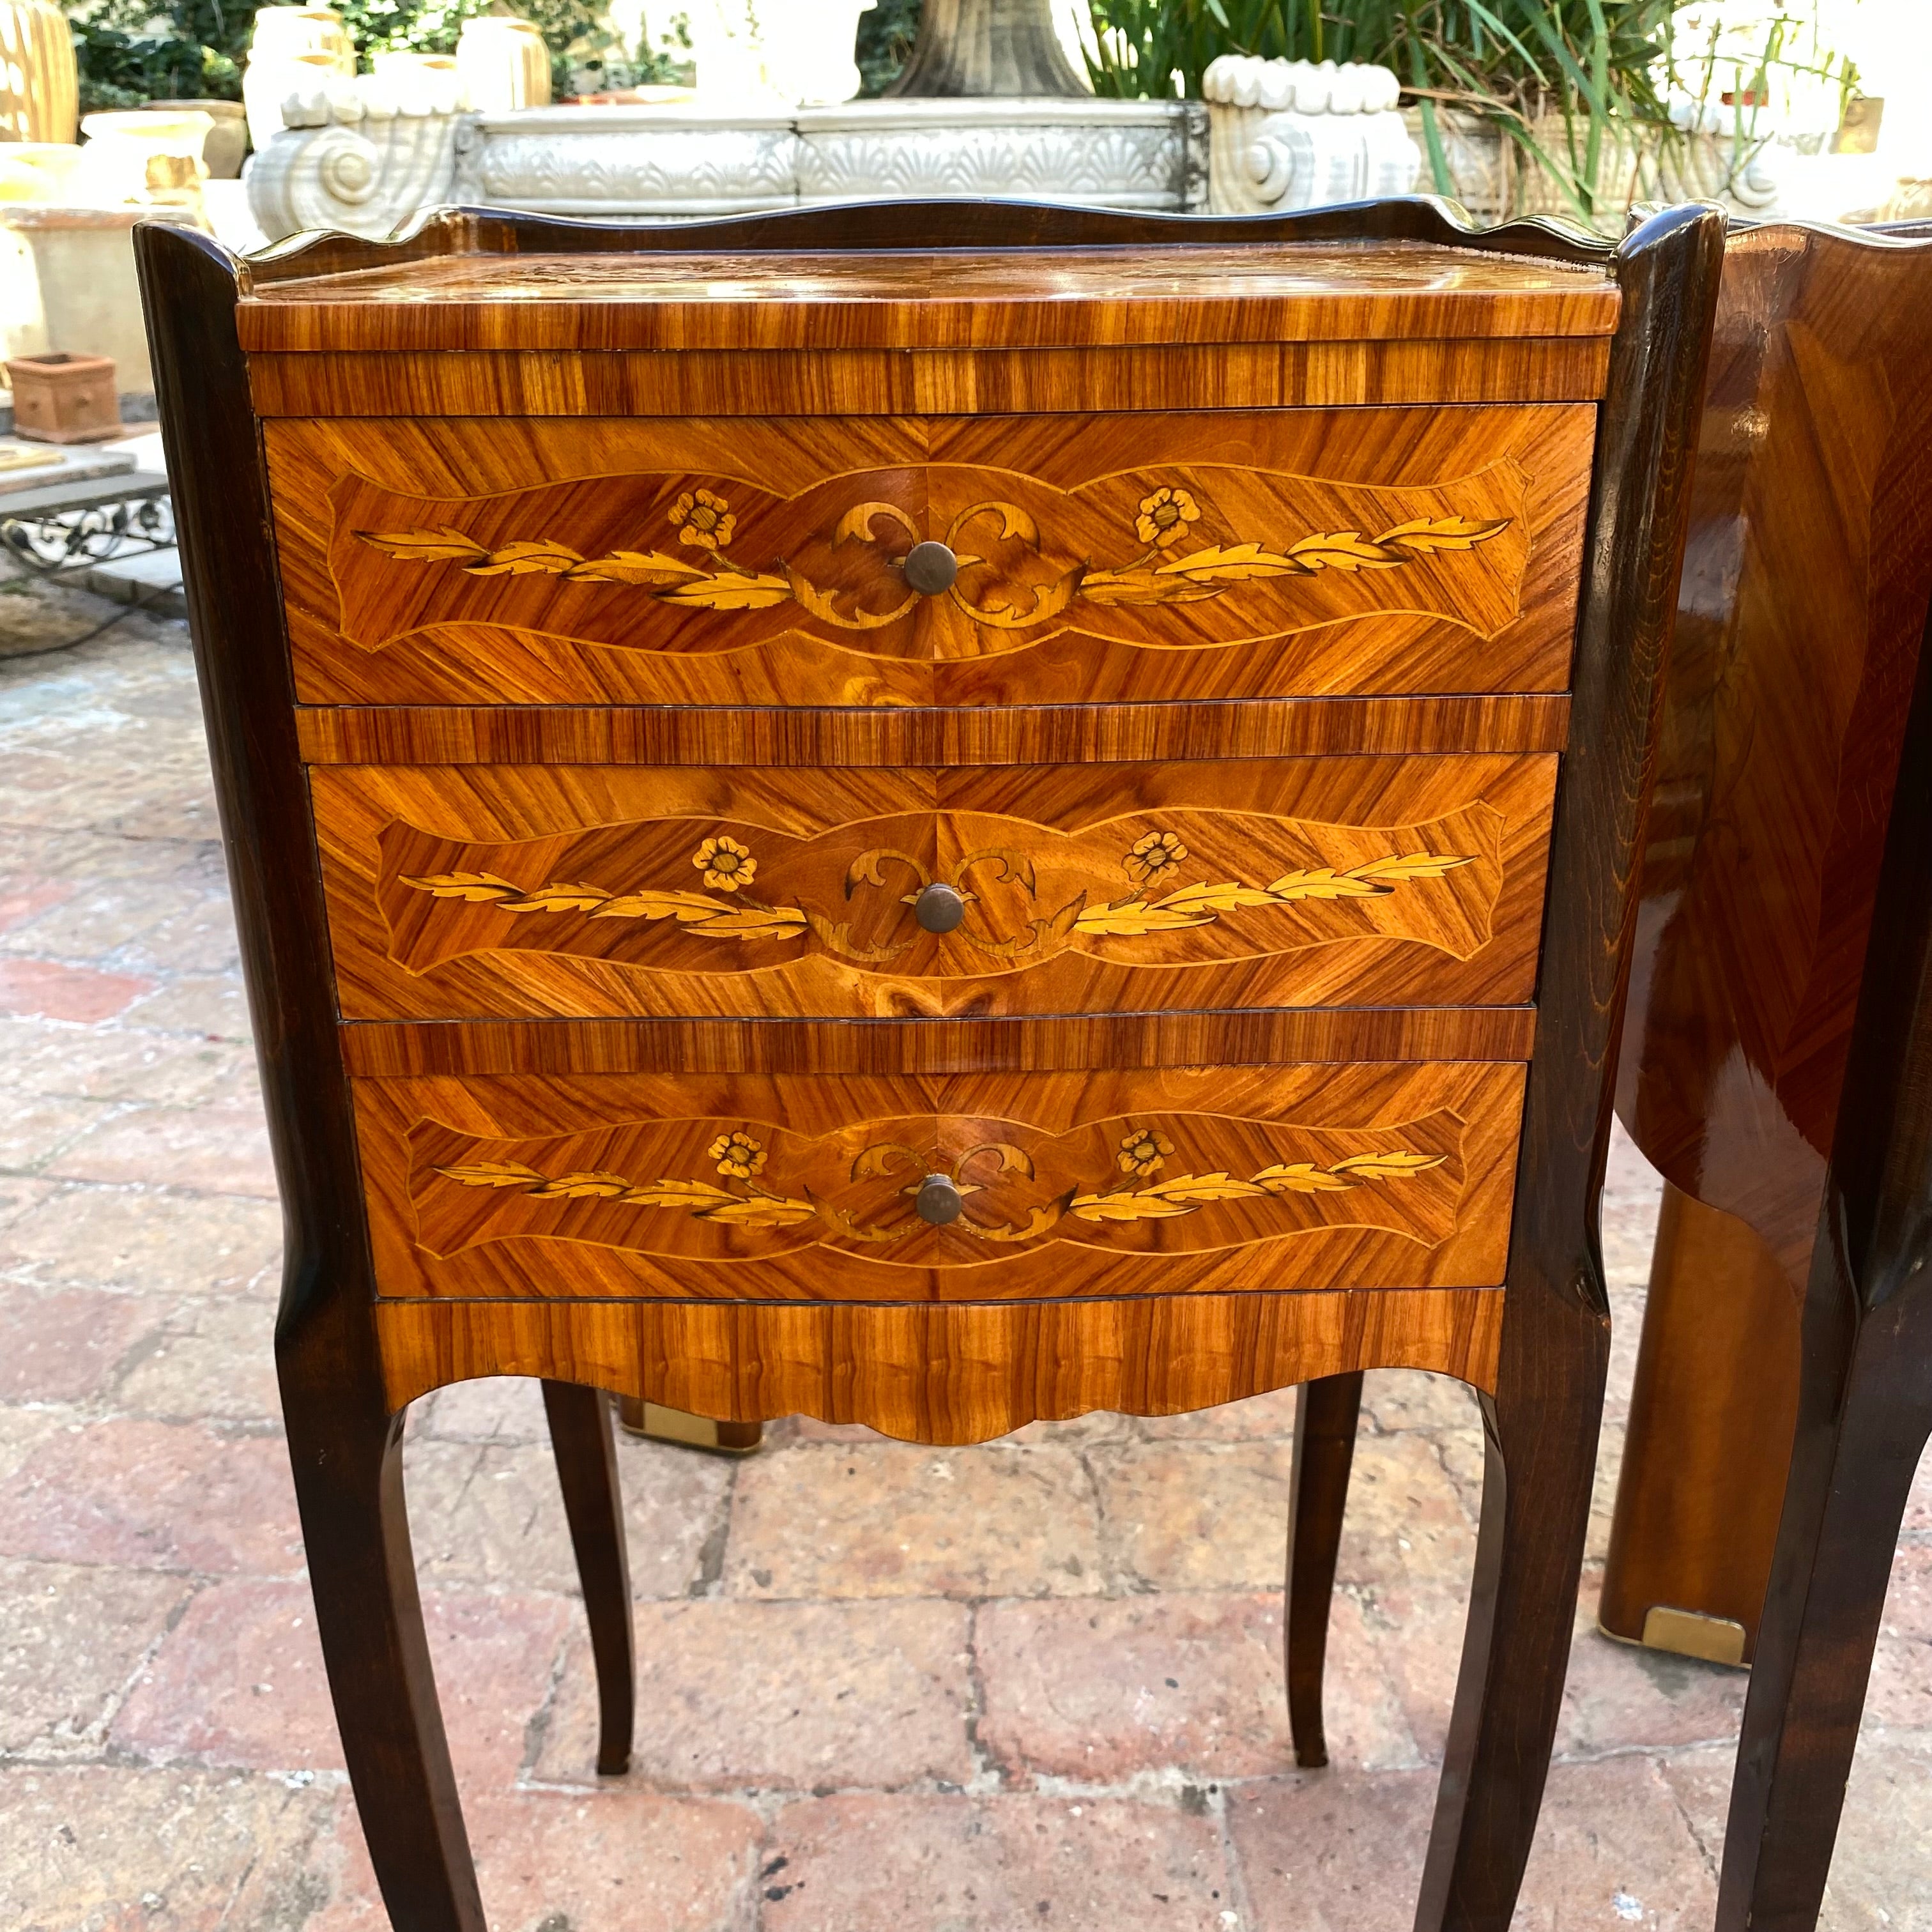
(291,49)
(502,63)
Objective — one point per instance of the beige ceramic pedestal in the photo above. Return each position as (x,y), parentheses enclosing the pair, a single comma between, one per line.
(67,282)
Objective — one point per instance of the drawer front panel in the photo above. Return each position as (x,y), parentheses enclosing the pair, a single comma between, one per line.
(764,1189)
(1284,554)
(602,891)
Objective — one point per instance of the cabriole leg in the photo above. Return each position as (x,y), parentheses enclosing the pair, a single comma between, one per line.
(348,1463)
(587,1466)
(1852,1473)
(1540,1430)
(1326,1413)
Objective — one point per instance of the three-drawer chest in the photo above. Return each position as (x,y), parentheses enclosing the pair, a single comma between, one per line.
(940,815)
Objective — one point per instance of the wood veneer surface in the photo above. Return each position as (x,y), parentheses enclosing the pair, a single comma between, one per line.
(751,1188)
(941,299)
(1808,574)
(1247,1037)
(946,1374)
(606,890)
(1800,629)
(537,734)
(925,382)
(1169,557)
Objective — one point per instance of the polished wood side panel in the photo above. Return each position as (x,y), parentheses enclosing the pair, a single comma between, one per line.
(887,382)
(1864,1406)
(774,1190)
(1129,557)
(557,734)
(953,298)
(1807,578)
(1798,632)
(1066,1042)
(569,891)
(944,1374)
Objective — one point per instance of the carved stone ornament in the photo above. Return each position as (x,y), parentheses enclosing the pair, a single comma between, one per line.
(360,156)
(1291,134)
(355,159)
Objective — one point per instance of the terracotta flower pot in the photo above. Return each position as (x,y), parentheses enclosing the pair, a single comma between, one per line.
(62,398)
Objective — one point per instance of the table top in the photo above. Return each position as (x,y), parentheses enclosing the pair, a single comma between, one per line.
(939,299)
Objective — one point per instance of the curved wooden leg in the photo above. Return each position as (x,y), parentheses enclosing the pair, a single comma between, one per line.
(348,1467)
(1851,1476)
(1326,1413)
(1541,1432)
(587,1466)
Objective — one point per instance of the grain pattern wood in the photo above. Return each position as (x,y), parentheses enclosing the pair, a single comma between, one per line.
(953,298)
(894,381)
(1808,576)
(1865,1407)
(1717,1380)
(693,561)
(972,1044)
(608,890)
(1807,581)
(944,1374)
(544,734)
(769,1189)
(345,1444)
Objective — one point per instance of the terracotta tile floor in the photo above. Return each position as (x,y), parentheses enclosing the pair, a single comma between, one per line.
(1034,1684)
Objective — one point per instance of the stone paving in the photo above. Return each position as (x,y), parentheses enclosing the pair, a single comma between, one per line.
(1031,1683)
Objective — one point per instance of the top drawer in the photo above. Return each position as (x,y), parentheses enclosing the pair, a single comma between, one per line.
(1287,552)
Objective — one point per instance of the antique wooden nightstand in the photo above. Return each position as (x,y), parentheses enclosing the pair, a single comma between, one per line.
(934,815)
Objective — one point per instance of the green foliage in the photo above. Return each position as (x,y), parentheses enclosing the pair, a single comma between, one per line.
(886,35)
(202,44)
(123,64)
(1477,53)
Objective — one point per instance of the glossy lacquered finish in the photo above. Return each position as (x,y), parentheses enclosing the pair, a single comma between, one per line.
(1140,555)
(584,891)
(950,298)
(1806,580)
(1799,634)
(676,1187)
(566,1152)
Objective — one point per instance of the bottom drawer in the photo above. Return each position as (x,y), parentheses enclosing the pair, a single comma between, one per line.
(765,1188)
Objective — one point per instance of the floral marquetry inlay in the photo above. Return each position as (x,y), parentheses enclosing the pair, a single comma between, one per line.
(1019,1186)
(1274,554)
(1153,862)
(1165,573)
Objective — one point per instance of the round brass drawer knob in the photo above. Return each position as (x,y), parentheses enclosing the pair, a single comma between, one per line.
(939,1200)
(930,567)
(939,908)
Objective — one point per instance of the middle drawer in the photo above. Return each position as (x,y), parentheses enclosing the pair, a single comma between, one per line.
(590,891)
